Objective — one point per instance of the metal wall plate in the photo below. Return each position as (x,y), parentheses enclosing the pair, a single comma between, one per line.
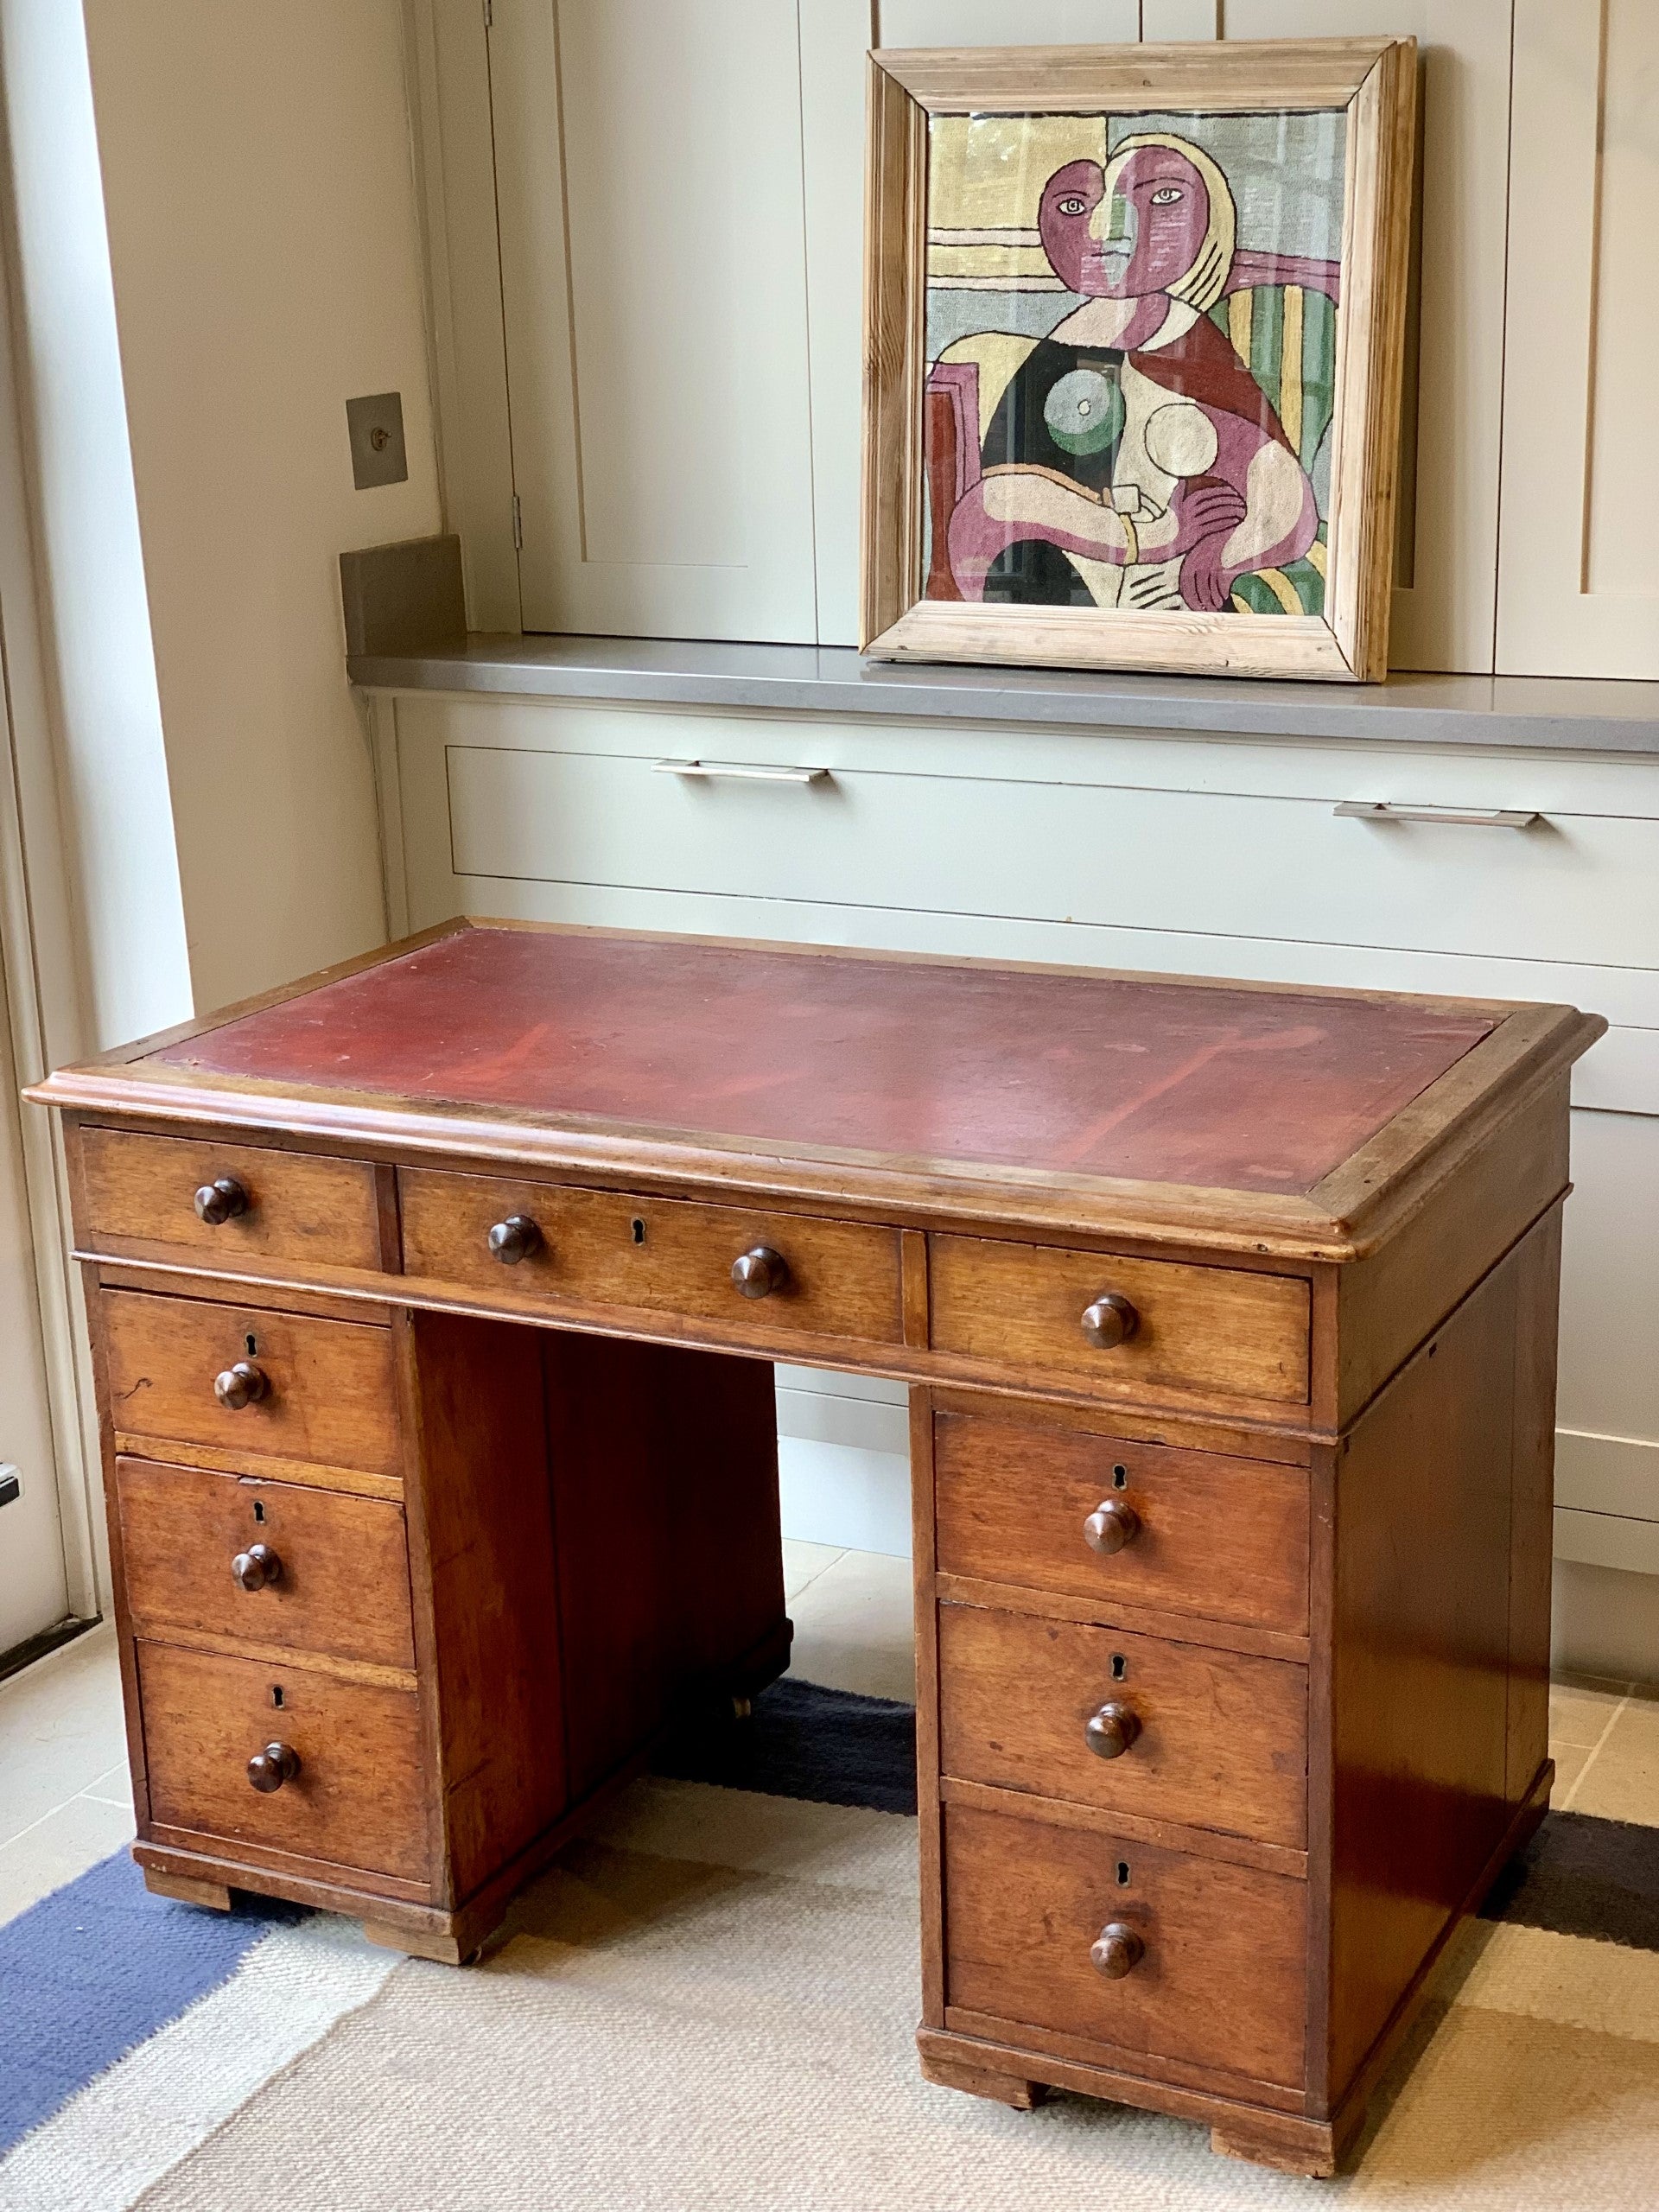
(376,428)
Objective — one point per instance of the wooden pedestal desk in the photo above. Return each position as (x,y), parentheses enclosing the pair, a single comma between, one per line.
(433,1302)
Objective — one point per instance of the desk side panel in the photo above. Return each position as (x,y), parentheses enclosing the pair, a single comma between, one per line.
(485,1580)
(1434,1487)
(1388,1302)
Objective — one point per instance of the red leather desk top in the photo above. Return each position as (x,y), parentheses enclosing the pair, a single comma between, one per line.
(1160,1080)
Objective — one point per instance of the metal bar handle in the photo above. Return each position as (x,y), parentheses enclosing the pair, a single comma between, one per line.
(1384,809)
(742,771)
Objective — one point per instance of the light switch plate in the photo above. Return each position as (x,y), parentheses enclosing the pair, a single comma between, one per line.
(376,427)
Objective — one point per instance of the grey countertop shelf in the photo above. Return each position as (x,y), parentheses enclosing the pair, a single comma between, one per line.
(1547,712)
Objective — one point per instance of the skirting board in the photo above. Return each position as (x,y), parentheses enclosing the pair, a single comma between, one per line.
(1605,1623)
(1605,1475)
(1613,1540)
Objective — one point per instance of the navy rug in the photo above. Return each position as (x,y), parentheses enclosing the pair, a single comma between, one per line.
(829,1746)
(1581,1875)
(95,1969)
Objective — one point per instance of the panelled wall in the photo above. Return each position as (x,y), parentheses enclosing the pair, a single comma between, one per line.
(661,365)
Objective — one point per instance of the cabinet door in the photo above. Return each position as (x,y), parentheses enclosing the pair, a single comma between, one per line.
(834,36)
(648,169)
(1446,548)
(1578,572)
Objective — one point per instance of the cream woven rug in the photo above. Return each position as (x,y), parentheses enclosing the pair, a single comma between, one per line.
(710,2004)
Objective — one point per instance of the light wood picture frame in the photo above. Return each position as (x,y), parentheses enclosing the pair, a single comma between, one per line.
(1227,508)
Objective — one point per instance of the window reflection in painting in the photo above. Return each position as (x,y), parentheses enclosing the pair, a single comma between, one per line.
(1131,342)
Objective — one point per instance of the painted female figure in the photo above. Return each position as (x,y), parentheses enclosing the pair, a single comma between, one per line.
(1131,459)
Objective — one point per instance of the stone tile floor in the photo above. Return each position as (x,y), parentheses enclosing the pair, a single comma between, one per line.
(64,1800)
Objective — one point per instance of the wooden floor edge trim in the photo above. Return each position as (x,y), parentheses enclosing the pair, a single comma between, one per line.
(1281,1858)
(1133,1620)
(1348,2114)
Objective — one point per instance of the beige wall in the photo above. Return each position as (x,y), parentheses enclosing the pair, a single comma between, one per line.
(264,243)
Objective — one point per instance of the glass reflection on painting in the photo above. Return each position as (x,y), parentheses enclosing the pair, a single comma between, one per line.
(1131,343)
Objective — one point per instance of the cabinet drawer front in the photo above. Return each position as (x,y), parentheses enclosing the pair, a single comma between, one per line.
(330,1399)
(1220,1537)
(355,1799)
(933,823)
(602,1247)
(338,1581)
(1222,1982)
(300,1208)
(1215,1740)
(1020,1307)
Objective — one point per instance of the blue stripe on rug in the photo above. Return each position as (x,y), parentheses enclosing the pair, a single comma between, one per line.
(97,1968)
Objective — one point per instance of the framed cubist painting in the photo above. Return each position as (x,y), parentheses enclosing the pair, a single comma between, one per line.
(1134,335)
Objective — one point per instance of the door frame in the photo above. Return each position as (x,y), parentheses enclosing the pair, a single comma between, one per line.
(44,996)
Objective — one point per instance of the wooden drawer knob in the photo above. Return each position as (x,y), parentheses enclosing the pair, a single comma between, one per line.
(221,1200)
(514,1239)
(256,1568)
(1113,1523)
(269,1769)
(245,1384)
(1109,1732)
(1111,1321)
(1116,1950)
(758,1273)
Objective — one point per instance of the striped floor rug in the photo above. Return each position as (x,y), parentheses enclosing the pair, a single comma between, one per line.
(709,2002)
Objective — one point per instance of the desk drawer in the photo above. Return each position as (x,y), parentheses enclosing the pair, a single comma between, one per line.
(600,1248)
(336,1581)
(298,1208)
(1222,1978)
(1214,1739)
(1211,1329)
(354,1797)
(1220,1537)
(330,1390)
